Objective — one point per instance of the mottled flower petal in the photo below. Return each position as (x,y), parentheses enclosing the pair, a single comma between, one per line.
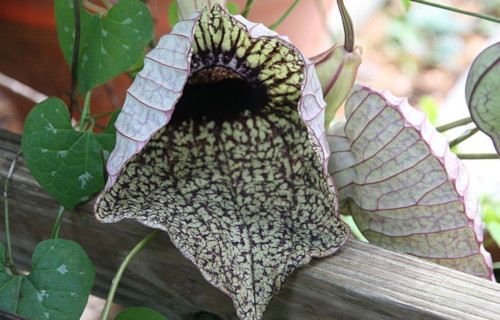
(403,186)
(238,178)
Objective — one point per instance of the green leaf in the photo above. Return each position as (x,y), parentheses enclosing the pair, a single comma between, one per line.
(173,13)
(67,163)
(482,92)
(58,286)
(109,44)
(2,257)
(139,313)
(233,8)
(403,186)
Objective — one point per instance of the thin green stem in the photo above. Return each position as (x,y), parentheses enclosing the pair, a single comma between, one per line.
(85,113)
(57,224)
(463,137)
(348,28)
(283,17)
(468,13)
(477,156)
(247,8)
(9,259)
(454,124)
(121,270)
(102,115)
(74,62)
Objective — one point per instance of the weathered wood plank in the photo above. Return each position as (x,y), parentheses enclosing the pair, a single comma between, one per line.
(360,282)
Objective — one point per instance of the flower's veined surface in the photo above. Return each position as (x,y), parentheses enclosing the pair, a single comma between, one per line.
(238,176)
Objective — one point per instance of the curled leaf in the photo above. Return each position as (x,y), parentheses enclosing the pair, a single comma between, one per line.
(238,177)
(403,186)
(482,92)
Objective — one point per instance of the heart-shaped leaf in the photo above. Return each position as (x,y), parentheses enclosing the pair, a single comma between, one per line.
(109,43)
(58,286)
(67,163)
(482,92)
(403,186)
(141,313)
(238,176)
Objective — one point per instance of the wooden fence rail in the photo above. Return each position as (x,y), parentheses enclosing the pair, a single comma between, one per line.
(361,281)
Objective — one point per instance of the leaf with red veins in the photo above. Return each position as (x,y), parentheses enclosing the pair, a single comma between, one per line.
(482,92)
(237,174)
(403,186)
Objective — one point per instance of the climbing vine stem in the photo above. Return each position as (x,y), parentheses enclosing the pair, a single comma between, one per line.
(57,224)
(85,116)
(121,270)
(9,259)
(477,156)
(468,13)
(247,8)
(454,124)
(283,17)
(74,63)
(463,137)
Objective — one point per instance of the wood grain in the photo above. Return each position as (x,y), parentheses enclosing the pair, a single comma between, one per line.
(361,281)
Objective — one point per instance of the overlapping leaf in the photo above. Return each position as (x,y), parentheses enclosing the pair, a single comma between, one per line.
(238,176)
(58,286)
(482,92)
(109,43)
(403,186)
(67,163)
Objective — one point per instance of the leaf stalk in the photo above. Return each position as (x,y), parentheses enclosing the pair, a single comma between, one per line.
(74,62)
(57,224)
(478,156)
(283,17)
(454,124)
(465,12)
(463,137)
(85,113)
(121,270)
(247,8)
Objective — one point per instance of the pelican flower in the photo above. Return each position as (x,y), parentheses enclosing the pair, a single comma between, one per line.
(221,143)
